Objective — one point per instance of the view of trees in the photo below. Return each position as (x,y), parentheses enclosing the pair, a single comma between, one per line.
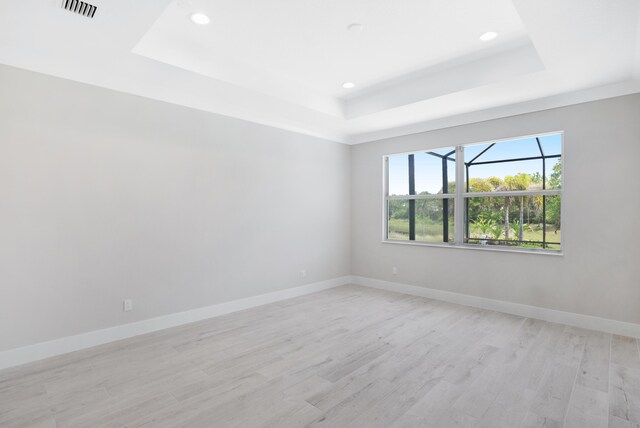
(513,220)
(516,218)
(429,216)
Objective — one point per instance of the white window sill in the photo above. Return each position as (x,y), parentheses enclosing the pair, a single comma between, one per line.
(493,248)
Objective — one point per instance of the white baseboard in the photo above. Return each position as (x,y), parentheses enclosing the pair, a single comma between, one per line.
(39,351)
(569,318)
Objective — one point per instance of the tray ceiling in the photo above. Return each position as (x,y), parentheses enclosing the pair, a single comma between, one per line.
(416,64)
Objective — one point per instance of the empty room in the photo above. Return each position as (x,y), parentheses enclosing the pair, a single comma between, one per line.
(320,213)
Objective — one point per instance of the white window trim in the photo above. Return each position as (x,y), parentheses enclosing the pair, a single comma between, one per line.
(458,206)
(459,197)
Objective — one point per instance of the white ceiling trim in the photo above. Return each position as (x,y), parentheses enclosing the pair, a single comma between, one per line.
(517,61)
(556,101)
(597,56)
(165,48)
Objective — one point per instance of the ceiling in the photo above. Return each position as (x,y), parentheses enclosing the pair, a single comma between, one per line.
(416,64)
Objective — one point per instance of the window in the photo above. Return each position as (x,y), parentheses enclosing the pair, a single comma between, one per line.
(503,194)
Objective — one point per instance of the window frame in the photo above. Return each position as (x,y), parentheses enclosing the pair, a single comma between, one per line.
(461,195)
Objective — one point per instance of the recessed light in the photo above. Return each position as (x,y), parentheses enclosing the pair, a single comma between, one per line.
(356,27)
(489,35)
(199,18)
(348,85)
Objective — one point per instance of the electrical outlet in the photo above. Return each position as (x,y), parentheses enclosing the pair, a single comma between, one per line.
(394,270)
(127,305)
(303,273)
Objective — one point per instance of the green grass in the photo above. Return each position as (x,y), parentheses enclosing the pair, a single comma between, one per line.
(426,230)
(429,231)
(532,233)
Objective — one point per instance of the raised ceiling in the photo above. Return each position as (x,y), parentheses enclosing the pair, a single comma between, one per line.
(416,64)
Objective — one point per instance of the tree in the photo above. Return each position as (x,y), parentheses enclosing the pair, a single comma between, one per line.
(477,206)
(496,182)
(555,179)
(553,210)
(535,202)
(398,209)
(553,202)
(513,183)
(480,185)
(483,225)
(536,177)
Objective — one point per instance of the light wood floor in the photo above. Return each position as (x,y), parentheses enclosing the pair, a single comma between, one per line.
(349,356)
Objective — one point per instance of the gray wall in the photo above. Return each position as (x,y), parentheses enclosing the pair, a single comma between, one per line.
(106,196)
(599,273)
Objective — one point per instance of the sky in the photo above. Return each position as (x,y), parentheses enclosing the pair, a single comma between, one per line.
(428,168)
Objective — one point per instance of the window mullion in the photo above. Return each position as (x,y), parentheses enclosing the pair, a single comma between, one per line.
(458,209)
(385,197)
(412,202)
(418,197)
(551,192)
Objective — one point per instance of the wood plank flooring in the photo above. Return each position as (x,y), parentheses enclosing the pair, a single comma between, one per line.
(349,356)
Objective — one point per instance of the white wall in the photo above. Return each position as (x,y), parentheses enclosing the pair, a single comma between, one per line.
(598,275)
(106,196)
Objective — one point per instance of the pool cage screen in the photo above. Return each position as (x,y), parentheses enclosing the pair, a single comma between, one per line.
(475,161)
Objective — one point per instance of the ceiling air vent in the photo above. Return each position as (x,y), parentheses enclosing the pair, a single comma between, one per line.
(80,7)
